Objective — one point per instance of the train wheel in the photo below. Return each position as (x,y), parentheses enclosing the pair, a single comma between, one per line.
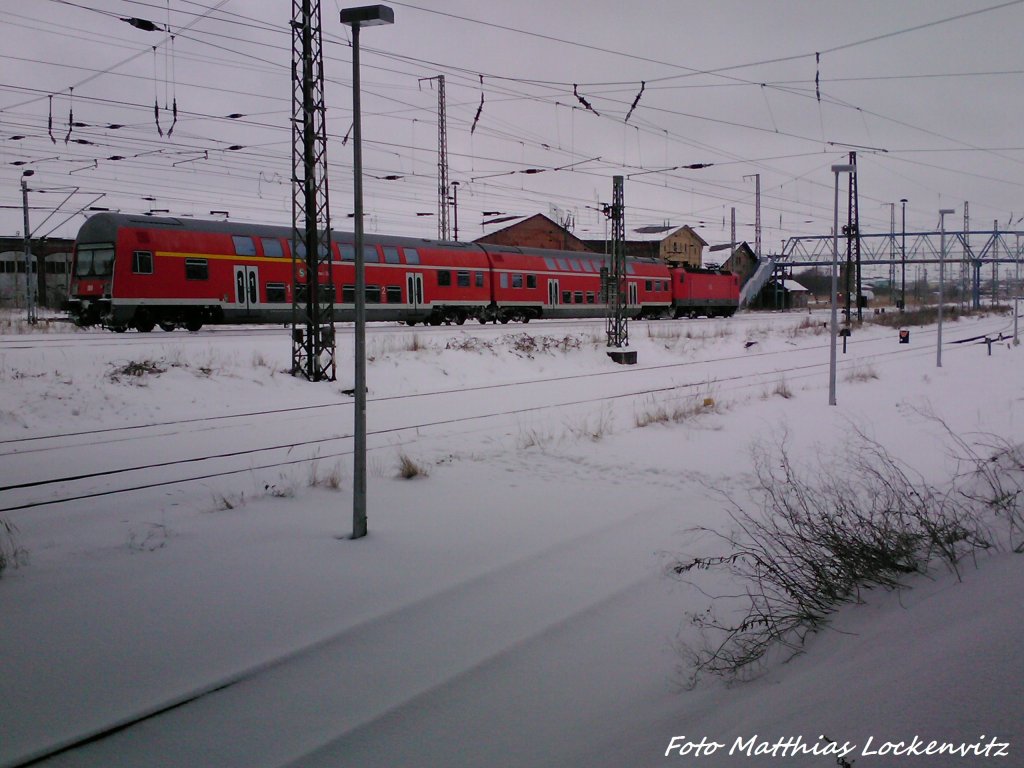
(145,325)
(167,326)
(193,324)
(410,323)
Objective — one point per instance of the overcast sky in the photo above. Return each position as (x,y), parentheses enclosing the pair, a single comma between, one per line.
(928,92)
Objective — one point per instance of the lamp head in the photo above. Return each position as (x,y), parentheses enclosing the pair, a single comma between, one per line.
(368,16)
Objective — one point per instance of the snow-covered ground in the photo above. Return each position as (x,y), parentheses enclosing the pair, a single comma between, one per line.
(187,594)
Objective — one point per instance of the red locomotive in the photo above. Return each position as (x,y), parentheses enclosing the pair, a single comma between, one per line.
(142,271)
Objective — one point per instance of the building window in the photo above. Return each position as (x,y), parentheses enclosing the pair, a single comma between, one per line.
(197,269)
(142,262)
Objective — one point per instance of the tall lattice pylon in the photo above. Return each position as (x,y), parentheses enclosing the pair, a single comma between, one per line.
(617,325)
(444,231)
(313,348)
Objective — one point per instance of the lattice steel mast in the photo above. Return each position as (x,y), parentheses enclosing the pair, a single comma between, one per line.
(313,350)
(617,325)
(444,231)
(852,232)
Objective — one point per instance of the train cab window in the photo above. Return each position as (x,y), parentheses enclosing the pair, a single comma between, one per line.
(479,279)
(370,254)
(394,294)
(531,281)
(503,280)
(272,247)
(197,269)
(276,293)
(391,255)
(517,281)
(462,279)
(444,277)
(578,297)
(567,297)
(142,263)
(412,256)
(590,297)
(244,246)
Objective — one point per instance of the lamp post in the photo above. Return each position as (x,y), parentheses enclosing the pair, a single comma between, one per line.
(942,277)
(30,303)
(836,170)
(903,259)
(364,16)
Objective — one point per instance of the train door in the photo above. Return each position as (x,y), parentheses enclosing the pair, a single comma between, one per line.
(633,294)
(247,287)
(553,295)
(414,289)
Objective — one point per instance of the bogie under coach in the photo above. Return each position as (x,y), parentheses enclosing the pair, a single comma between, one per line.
(141,272)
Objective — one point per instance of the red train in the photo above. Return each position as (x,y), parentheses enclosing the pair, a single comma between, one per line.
(142,271)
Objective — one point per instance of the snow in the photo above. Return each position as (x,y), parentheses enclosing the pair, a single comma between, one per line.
(511,605)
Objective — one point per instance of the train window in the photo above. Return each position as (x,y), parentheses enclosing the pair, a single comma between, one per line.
(391,255)
(517,281)
(629,268)
(590,297)
(462,278)
(562,264)
(531,281)
(412,256)
(394,294)
(300,250)
(578,297)
(197,269)
(503,280)
(479,279)
(348,251)
(681,275)
(373,294)
(550,263)
(648,285)
(567,297)
(370,255)
(272,247)
(348,294)
(444,277)
(244,246)
(574,264)
(142,263)
(93,261)
(276,293)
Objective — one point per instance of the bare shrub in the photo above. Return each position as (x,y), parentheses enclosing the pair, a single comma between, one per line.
(862,372)
(408,468)
(593,428)
(782,389)
(813,543)
(136,370)
(320,479)
(677,413)
(12,555)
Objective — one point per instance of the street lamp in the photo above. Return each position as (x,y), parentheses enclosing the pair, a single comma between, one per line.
(903,259)
(836,170)
(942,277)
(364,16)
(30,304)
